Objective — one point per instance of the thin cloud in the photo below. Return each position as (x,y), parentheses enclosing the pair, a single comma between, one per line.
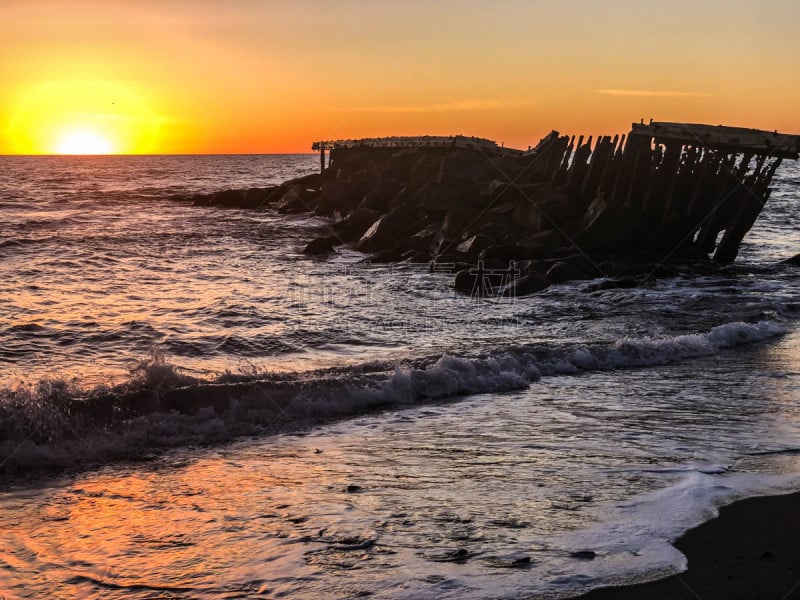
(440,107)
(654,93)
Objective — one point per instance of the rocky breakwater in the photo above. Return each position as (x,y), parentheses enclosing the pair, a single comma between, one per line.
(513,222)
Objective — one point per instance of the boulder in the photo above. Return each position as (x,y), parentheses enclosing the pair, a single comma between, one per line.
(311,181)
(257,197)
(457,221)
(446,196)
(343,196)
(426,167)
(473,246)
(416,256)
(387,255)
(297,199)
(426,240)
(546,240)
(448,264)
(355,224)
(321,245)
(477,281)
(565,271)
(465,280)
(607,228)
(196,199)
(464,166)
(384,233)
(543,207)
(399,165)
(530,283)
(383,196)
(501,252)
(229,198)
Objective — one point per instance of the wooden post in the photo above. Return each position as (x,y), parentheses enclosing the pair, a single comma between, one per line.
(752,196)
(322,159)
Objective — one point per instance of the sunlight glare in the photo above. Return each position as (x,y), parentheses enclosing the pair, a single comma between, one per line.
(84,142)
(83,117)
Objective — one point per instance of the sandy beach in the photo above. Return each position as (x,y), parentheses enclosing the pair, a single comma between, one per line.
(749,552)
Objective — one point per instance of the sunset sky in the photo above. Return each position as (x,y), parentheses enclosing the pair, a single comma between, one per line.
(241,76)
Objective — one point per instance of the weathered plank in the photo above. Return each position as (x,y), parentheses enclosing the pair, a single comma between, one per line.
(732,139)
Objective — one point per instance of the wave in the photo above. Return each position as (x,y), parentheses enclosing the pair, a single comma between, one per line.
(54,425)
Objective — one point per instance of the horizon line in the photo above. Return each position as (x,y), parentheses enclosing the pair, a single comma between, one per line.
(311,153)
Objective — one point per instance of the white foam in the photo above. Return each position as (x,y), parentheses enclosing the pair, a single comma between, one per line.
(250,407)
(642,352)
(634,540)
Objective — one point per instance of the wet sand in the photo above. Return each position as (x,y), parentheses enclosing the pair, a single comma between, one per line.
(751,551)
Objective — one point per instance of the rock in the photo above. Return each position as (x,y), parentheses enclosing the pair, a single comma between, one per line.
(311,181)
(424,241)
(499,231)
(509,562)
(565,271)
(605,228)
(465,166)
(549,239)
(584,554)
(352,488)
(444,197)
(528,284)
(297,199)
(258,197)
(321,245)
(343,196)
(450,264)
(399,165)
(459,555)
(479,280)
(794,261)
(459,220)
(434,237)
(502,252)
(426,167)
(473,246)
(523,561)
(196,200)
(387,255)
(229,198)
(355,224)
(465,280)
(416,256)
(385,231)
(383,197)
(537,206)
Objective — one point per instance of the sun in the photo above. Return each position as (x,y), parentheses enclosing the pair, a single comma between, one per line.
(82,117)
(84,142)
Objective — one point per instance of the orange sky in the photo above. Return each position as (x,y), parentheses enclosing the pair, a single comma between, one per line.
(201,76)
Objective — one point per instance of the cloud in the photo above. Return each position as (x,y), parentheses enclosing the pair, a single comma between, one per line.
(654,93)
(465,105)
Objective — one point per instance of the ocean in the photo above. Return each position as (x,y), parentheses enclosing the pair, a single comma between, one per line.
(346,429)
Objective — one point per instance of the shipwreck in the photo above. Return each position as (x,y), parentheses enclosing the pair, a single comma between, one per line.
(568,208)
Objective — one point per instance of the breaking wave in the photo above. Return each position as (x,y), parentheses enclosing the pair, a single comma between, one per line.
(54,425)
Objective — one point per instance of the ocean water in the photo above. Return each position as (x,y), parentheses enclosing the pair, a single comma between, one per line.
(191,408)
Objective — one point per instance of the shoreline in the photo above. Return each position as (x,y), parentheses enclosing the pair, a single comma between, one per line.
(749,551)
